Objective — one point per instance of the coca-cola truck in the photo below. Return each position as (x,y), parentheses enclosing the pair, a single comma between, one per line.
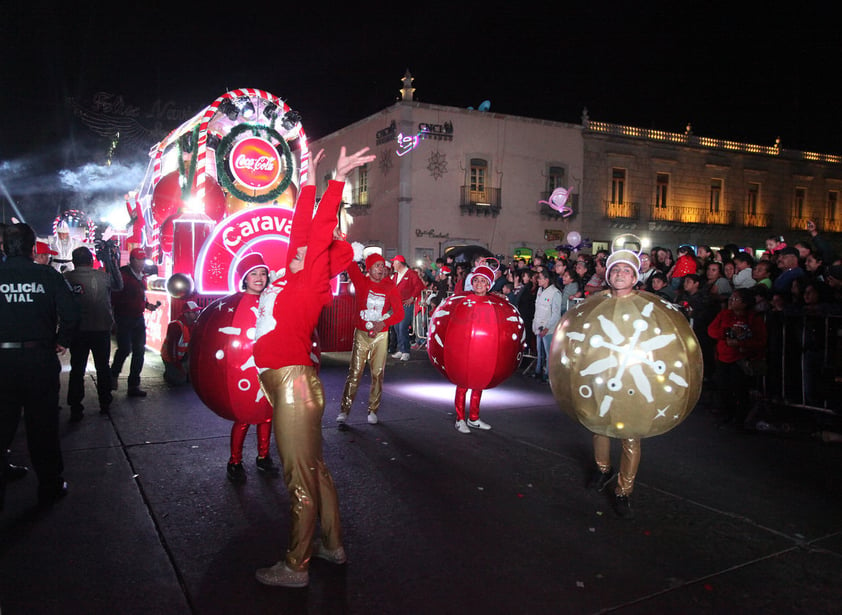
(221,185)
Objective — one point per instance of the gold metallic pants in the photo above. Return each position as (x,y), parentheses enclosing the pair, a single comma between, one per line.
(297,397)
(629,461)
(371,350)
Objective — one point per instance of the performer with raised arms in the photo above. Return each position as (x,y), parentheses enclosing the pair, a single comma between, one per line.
(288,314)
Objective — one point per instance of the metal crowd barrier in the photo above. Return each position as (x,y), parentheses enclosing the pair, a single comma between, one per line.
(421,322)
(804,361)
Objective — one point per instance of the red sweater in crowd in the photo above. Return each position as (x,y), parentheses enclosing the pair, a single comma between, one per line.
(749,331)
(297,307)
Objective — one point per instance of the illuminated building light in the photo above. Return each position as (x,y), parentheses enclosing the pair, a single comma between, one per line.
(406,144)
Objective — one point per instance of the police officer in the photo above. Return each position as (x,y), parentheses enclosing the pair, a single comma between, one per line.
(38,317)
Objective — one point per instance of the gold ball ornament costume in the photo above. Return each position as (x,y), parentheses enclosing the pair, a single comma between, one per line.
(626,367)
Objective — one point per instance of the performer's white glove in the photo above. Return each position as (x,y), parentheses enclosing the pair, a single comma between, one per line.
(276,275)
(358,250)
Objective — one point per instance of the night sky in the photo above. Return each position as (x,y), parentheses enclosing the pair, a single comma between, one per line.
(733,73)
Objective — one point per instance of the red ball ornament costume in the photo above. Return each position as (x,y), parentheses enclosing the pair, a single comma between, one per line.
(235,338)
(475,341)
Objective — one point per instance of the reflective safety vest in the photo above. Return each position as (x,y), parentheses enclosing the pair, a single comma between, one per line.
(174,351)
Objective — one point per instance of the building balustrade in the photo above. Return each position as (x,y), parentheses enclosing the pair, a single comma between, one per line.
(480,202)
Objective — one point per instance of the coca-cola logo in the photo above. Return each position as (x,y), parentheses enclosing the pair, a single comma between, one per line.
(255,163)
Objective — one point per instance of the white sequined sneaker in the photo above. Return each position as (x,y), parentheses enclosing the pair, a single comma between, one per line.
(479,424)
(280,575)
(405,356)
(461,427)
(397,355)
(372,418)
(337,556)
(342,417)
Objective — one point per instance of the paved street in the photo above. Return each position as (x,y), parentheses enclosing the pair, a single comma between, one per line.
(434,521)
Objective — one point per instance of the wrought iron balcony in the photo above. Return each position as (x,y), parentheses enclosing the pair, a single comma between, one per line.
(831,225)
(621,211)
(692,215)
(798,223)
(757,220)
(360,204)
(480,202)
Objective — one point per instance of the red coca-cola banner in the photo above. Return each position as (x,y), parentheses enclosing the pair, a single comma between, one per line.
(255,163)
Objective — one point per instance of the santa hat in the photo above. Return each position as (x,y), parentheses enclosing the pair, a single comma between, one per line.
(482,271)
(44,248)
(250,262)
(192,306)
(138,253)
(445,270)
(399,258)
(623,256)
(373,259)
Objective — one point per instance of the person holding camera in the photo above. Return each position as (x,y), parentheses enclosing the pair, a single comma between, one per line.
(92,290)
(740,335)
(129,305)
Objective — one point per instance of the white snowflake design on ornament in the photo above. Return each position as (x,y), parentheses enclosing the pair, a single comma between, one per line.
(627,355)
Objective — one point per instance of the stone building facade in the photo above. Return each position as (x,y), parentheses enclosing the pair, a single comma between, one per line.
(447,176)
(673,188)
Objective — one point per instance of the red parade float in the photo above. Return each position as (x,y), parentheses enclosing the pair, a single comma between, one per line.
(218,187)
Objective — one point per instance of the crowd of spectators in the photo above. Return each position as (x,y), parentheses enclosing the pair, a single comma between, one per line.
(802,280)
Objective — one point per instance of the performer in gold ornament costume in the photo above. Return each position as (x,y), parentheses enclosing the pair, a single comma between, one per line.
(288,313)
(622,277)
(626,365)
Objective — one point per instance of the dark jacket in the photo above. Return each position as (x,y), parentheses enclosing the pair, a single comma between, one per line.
(36,304)
(92,289)
(131,301)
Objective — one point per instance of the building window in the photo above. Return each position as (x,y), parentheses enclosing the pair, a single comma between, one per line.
(662,182)
(752,197)
(715,195)
(832,202)
(555,178)
(362,185)
(479,173)
(618,186)
(798,202)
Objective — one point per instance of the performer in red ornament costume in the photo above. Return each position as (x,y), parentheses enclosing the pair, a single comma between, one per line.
(288,314)
(478,283)
(379,307)
(475,340)
(254,276)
